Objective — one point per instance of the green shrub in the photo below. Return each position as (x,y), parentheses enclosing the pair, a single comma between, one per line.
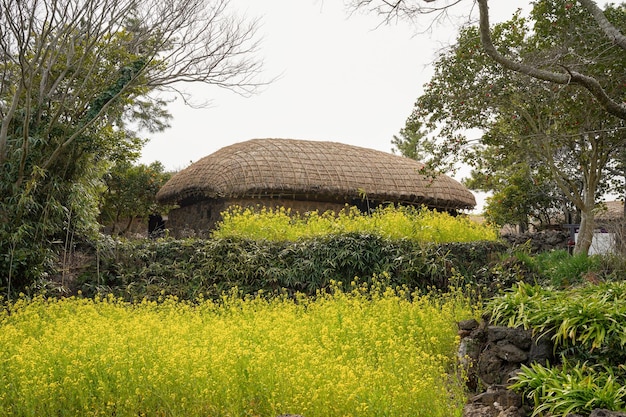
(589,317)
(571,388)
(560,269)
(137,269)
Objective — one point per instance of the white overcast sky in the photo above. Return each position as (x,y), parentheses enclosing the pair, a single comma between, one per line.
(342,78)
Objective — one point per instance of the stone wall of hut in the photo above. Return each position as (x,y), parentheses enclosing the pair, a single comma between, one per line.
(138,227)
(199,218)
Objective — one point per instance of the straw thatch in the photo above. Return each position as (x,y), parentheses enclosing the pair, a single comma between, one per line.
(609,211)
(313,171)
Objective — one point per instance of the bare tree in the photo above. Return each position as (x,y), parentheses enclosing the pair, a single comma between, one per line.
(75,77)
(76,59)
(564,76)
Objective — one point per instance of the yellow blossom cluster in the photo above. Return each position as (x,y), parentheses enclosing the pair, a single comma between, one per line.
(370,352)
(280,224)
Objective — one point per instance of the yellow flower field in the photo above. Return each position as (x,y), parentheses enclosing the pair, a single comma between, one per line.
(370,352)
(390,222)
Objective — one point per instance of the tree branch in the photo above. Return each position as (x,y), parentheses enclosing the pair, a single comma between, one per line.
(591,84)
(607,27)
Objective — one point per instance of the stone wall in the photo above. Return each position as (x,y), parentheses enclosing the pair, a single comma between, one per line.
(543,241)
(491,356)
(193,220)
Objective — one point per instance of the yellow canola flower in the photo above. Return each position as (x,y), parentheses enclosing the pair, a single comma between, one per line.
(369,352)
(419,224)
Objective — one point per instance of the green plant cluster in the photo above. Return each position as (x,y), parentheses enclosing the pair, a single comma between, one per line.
(188,267)
(556,269)
(560,269)
(588,326)
(130,193)
(571,388)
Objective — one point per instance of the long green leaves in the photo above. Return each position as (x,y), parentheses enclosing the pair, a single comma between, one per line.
(591,316)
(588,326)
(570,388)
(187,267)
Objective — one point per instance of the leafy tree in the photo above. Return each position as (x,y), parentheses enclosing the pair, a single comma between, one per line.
(131,193)
(411,142)
(521,193)
(562,67)
(525,120)
(75,75)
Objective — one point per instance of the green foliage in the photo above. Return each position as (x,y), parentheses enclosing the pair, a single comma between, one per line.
(274,248)
(389,222)
(54,154)
(571,388)
(373,351)
(519,196)
(411,141)
(77,78)
(589,317)
(560,269)
(131,192)
(537,137)
(185,268)
(557,268)
(39,221)
(588,326)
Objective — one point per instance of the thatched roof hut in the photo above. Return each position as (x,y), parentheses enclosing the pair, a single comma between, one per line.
(319,173)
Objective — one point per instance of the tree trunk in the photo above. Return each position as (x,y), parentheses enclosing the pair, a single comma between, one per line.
(128,225)
(587,221)
(620,229)
(585,233)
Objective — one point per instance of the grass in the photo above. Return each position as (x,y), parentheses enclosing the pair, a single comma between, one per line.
(562,269)
(369,352)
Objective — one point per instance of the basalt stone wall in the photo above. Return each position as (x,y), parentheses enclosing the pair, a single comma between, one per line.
(538,242)
(193,220)
(199,218)
(491,356)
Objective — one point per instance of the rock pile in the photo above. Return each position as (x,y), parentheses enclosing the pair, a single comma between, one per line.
(491,356)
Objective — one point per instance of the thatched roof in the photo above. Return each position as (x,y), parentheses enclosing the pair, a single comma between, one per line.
(312,170)
(609,211)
